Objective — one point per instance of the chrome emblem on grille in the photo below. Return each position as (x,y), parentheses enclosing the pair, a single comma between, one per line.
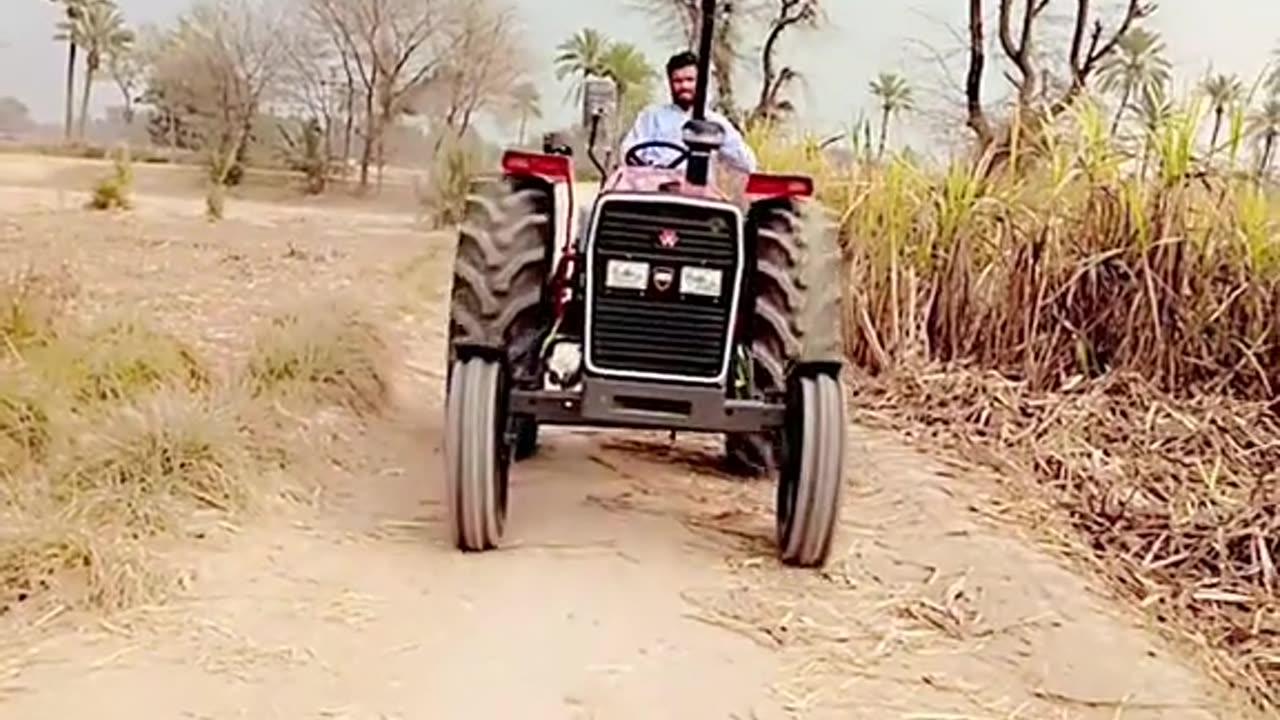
(668,238)
(662,278)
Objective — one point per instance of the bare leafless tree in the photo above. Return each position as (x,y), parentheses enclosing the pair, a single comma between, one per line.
(775,79)
(394,46)
(218,66)
(482,72)
(1022,28)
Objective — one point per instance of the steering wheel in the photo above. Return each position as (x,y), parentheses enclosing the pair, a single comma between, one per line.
(633,158)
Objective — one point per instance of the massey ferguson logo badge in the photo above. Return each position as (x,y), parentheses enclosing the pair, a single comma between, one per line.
(662,278)
(668,238)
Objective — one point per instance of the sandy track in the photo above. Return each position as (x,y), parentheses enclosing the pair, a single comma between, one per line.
(638,583)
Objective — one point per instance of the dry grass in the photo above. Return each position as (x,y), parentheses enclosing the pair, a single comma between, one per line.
(115,191)
(328,350)
(1176,504)
(30,304)
(1145,279)
(117,359)
(117,439)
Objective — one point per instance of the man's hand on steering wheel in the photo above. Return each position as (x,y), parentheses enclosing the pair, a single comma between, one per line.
(633,157)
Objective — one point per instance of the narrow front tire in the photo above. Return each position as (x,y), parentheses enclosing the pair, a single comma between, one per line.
(810,488)
(477,457)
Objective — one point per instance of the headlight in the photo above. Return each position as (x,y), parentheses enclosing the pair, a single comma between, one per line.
(627,275)
(700,281)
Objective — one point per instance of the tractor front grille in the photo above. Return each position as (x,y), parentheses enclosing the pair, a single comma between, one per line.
(661,332)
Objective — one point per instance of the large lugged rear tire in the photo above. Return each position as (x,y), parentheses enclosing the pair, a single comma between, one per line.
(477,454)
(500,273)
(796,316)
(811,485)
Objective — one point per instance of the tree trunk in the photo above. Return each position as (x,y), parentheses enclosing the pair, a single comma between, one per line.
(71,89)
(1124,103)
(767,72)
(89,72)
(371,133)
(722,55)
(884,133)
(977,119)
(349,123)
(1217,127)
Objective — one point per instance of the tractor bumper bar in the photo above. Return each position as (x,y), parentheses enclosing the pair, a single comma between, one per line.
(640,405)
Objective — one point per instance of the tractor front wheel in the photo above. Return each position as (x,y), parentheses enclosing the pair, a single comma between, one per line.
(477,456)
(812,478)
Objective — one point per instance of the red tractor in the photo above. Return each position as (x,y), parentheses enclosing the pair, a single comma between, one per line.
(664,305)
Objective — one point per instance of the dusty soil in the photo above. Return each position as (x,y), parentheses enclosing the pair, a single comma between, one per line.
(637,582)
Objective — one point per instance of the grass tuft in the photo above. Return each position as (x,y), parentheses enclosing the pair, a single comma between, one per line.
(154,462)
(31,304)
(77,567)
(25,410)
(328,352)
(116,437)
(119,359)
(115,191)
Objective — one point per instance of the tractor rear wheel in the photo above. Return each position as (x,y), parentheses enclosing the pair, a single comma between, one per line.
(500,273)
(477,455)
(796,316)
(812,477)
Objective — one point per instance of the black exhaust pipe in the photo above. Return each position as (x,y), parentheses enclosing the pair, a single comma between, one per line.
(702,137)
(705,39)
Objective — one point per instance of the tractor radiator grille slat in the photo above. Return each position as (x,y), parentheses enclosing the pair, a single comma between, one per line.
(660,331)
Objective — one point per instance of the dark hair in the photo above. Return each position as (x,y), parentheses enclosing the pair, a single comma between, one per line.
(681,60)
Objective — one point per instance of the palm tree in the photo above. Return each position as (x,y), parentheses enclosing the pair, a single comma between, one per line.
(629,69)
(1223,91)
(580,57)
(631,72)
(1153,109)
(1264,125)
(894,96)
(99,28)
(72,11)
(1138,66)
(525,103)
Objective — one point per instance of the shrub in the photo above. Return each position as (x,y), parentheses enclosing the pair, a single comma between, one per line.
(25,410)
(144,466)
(116,190)
(31,304)
(444,199)
(117,359)
(327,351)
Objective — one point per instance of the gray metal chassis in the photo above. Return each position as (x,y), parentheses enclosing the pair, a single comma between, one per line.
(630,404)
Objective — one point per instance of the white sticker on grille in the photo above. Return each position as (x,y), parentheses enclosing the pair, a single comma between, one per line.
(701,281)
(627,275)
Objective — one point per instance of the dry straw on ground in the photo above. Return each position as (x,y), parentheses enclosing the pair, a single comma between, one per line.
(1175,503)
(117,439)
(329,350)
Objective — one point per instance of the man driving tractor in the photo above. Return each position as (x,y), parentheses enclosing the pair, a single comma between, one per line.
(665,121)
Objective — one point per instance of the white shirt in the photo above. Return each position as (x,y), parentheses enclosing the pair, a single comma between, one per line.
(666,122)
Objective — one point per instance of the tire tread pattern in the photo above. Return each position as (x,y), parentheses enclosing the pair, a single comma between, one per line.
(796,314)
(500,268)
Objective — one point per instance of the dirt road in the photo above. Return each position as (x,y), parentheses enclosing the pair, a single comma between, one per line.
(637,582)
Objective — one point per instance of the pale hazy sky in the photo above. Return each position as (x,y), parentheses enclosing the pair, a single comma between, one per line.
(863,38)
